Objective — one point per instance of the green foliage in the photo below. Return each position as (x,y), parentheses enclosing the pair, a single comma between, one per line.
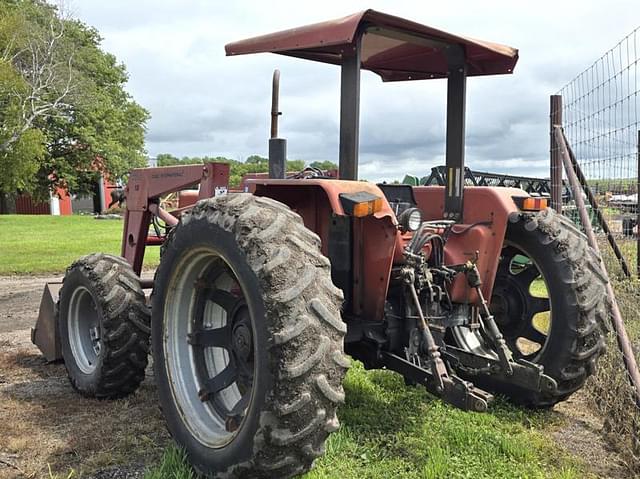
(256,160)
(295,165)
(84,121)
(11,86)
(324,165)
(20,167)
(107,123)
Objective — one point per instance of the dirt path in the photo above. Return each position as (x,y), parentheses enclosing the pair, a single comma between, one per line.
(19,301)
(579,434)
(45,423)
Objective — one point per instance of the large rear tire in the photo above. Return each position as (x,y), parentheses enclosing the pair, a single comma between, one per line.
(570,343)
(565,331)
(247,339)
(104,326)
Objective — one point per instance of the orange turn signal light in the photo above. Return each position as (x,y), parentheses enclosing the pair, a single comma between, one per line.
(367,208)
(361,204)
(531,204)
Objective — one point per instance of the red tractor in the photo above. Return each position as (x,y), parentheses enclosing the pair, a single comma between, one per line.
(259,295)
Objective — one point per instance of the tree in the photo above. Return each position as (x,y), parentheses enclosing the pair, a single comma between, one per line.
(256,160)
(20,167)
(166,159)
(62,103)
(324,165)
(295,165)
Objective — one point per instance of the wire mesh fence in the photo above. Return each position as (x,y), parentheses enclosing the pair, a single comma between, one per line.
(599,112)
(601,118)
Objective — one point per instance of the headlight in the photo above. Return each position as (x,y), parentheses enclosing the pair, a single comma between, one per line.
(410,219)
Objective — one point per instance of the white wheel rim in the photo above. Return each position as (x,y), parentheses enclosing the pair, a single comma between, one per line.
(202,420)
(84,330)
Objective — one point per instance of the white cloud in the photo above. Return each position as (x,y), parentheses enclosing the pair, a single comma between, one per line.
(204,103)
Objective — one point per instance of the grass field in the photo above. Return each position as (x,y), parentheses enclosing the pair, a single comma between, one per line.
(49,244)
(388,429)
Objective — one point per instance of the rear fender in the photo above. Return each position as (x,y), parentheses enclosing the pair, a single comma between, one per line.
(485,217)
(360,249)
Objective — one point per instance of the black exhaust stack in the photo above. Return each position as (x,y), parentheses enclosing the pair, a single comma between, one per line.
(277,146)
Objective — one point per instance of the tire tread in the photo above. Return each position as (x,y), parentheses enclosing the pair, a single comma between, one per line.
(580,269)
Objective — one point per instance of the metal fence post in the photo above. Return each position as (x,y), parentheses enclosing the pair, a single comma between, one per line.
(555,118)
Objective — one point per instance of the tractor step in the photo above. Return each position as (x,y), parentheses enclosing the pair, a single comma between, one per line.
(456,391)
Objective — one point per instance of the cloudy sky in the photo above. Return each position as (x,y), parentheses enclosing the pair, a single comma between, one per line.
(203,103)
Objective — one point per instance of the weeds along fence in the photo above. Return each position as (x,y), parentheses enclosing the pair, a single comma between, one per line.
(599,113)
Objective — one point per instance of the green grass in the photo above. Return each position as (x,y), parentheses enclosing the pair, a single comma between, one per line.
(174,465)
(539,289)
(391,430)
(47,244)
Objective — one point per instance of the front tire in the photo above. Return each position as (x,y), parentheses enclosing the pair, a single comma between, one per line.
(247,339)
(104,326)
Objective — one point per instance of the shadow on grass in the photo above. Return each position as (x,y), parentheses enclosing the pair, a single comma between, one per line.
(378,402)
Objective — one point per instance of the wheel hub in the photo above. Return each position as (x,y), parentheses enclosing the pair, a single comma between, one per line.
(242,340)
(508,305)
(211,354)
(84,330)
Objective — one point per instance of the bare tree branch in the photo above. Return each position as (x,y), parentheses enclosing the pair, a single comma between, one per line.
(48,73)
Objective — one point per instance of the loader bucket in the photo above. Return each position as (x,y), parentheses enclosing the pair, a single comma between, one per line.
(45,333)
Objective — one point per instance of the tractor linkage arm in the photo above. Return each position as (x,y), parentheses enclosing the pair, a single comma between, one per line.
(501,371)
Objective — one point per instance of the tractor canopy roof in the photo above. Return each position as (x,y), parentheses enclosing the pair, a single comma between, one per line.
(394,48)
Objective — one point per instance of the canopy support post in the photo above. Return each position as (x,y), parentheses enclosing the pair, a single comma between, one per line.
(456,103)
(349,112)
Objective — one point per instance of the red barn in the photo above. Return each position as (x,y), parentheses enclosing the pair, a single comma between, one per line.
(59,204)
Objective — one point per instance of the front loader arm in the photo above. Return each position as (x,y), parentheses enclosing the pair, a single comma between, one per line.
(146,185)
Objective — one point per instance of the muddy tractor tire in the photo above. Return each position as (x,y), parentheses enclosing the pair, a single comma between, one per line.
(104,327)
(247,339)
(565,333)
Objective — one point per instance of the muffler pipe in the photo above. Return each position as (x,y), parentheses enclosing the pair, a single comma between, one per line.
(277,146)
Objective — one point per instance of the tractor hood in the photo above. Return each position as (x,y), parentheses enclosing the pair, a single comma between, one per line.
(394,48)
